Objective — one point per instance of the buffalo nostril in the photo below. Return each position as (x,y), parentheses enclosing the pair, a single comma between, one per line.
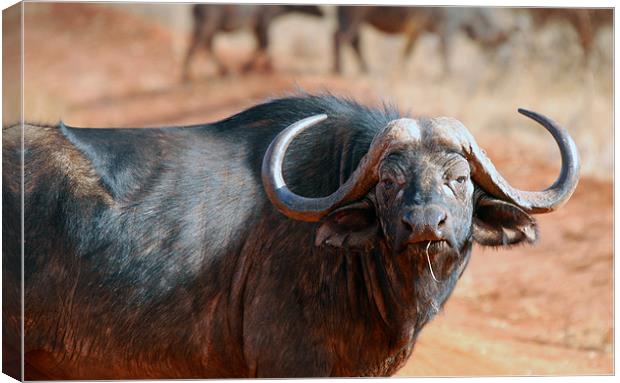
(436,217)
(442,220)
(408,221)
(425,223)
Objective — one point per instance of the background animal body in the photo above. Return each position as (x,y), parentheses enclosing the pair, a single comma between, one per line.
(208,20)
(587,23)
(478,23)
(493,330)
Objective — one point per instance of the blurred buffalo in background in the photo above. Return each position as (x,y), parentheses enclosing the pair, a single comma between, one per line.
(208,20)
(586,23)
(477,23)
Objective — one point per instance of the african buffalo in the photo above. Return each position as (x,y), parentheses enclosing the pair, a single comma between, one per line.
(210,19)
(586,22)
(477,23)
(306,236)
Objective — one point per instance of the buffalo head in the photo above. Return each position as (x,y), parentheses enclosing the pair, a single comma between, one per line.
(423,186)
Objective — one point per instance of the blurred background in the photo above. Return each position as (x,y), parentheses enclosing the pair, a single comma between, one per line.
(538,310)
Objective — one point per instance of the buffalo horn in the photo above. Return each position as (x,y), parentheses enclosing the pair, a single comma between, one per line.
(489,179)
(359,183)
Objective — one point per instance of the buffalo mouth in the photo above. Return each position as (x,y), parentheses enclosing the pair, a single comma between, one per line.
(439,257)
(426,247)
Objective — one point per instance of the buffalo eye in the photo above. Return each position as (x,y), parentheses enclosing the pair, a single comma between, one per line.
(457,174)
(457,183)
(388,184)
(391,179)
(392,182)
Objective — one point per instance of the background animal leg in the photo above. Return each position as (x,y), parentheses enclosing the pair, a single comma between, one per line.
(191,51)
(221,68)
(444,50)
(355,43)
(583,26)
(201,37)
(337,68)
(412,38)
(348,30)
(261,60)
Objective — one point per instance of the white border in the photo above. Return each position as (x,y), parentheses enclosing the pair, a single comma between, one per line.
(486,3)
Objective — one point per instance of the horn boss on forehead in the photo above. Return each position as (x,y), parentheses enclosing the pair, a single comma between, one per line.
(400,132)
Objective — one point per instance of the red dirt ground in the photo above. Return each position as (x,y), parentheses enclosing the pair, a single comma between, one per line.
(541,310)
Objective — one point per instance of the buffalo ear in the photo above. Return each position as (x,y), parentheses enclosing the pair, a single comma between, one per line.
(351,226)
(500,223)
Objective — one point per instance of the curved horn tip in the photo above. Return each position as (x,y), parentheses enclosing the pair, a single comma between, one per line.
(316,118)
(531,114)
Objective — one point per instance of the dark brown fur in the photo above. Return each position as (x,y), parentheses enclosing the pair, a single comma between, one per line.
(155,253)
